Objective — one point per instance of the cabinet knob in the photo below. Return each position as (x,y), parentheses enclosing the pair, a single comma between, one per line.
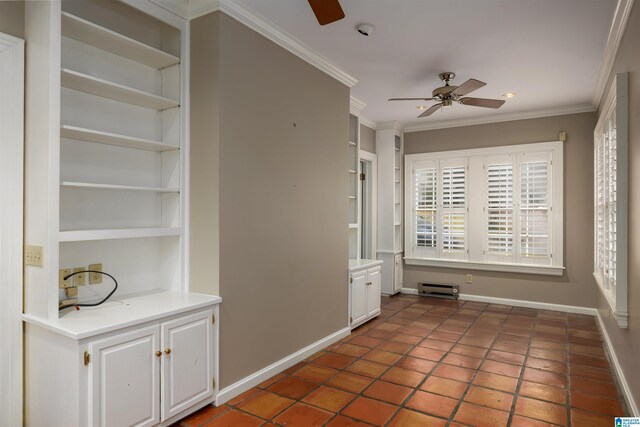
(369,283)
(158,353)
(167,351)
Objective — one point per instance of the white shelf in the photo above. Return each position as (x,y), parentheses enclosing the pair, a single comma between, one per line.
(116,233)
(106,89)
(110,41)
(397,149)
(93,186)
(108,138)
(352,197)
(352,143)
(352,171)
(355,226)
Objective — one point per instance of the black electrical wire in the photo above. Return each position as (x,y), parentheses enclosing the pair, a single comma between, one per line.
(95,303)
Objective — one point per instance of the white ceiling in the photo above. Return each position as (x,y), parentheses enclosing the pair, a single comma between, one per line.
(547,51)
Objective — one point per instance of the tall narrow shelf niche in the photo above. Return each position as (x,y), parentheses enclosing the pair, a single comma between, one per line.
(106,157)
(353,184)
(389,148)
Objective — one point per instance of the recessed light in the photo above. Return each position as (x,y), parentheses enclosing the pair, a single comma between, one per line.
(365,29)
(509,95)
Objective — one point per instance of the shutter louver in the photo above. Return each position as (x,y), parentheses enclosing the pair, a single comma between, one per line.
(500,209)
(600,204)
(425,206)
(453,209)
(534,210)
(611,168)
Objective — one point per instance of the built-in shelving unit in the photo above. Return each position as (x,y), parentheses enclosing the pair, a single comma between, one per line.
(389,148)
(353,186)
(105,165)
(112,163)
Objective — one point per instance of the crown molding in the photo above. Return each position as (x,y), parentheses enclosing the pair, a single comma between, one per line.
(191,9)
(391,125)
(280,37)
(368,123)
(575,109)
(618,26)
(357,104)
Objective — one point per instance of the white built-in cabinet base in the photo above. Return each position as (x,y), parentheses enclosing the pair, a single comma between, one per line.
(364,290)
(145,361)
(392,276)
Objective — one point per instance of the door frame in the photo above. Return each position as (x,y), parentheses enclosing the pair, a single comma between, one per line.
(11,227)
(370,233)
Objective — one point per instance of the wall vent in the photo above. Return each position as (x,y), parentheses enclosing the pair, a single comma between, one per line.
(440,291)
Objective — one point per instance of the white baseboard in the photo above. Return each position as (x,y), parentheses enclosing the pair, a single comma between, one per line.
(518,303)
(256,378)
(626,391)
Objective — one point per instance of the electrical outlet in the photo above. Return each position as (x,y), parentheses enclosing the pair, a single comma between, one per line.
(81,278)
(62,283)
(33,255)
(95,278)
(469,278)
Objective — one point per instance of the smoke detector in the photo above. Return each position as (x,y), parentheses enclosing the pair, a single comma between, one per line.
(365,29)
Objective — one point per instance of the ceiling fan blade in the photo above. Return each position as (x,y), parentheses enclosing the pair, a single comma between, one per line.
(410,99)
(468,87)
(327,11)
(430,110)
(482,102)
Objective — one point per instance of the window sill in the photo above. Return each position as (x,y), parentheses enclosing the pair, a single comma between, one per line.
(545,270)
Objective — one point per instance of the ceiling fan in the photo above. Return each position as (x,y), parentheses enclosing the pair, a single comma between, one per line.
(448,94)
(327,11)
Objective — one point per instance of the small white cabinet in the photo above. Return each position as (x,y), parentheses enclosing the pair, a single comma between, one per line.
(364,290)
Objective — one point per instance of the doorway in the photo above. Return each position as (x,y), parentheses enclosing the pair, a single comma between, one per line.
(368,190)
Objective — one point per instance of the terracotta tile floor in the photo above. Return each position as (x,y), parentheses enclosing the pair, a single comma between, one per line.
(434,362)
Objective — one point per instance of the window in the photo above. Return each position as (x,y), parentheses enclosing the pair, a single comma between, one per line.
(491,209)
(610,201)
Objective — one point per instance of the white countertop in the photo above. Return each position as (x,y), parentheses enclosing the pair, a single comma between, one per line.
(363,263)
(121,313)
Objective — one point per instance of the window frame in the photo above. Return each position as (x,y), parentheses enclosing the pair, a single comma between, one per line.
(477,215)
(616,106)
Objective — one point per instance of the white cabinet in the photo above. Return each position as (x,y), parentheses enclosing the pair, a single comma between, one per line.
(154,366)
(125,379)
(397,273)
(358,288)
(187,362)
(151,374)
(364,290)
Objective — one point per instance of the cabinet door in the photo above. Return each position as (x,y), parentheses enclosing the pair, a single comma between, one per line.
(124,379)
(358,296)
(373,291)
(397,273)
(187,362)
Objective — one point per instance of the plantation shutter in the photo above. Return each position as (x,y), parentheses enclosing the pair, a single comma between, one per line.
(454,210)
(425,210)
(500,210)
(535,203)
(600,226)
(609,197)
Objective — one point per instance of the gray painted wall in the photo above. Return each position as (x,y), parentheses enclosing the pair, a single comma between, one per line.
(12,18)
(281,191)
(626,342)
(577,286)
(367,139)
